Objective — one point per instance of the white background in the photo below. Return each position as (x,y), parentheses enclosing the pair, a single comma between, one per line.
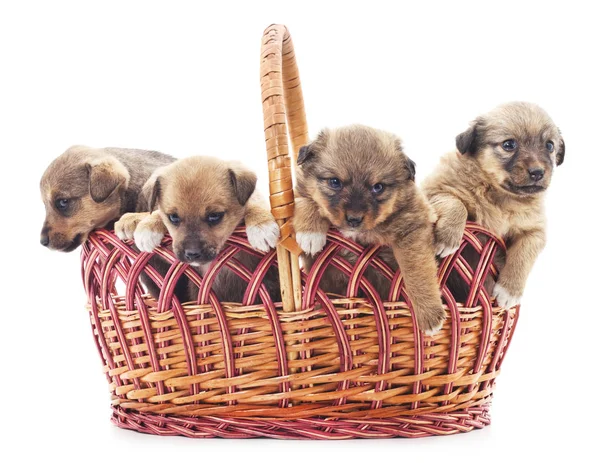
(182,77)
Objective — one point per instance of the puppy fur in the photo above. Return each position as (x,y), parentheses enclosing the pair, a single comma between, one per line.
(199,201)
(359,180)
(497,178)
(87,188)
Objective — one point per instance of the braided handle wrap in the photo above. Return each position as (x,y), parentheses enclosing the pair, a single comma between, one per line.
(284,118)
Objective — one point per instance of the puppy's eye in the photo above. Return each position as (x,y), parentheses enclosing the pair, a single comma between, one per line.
(174,219)
(62,204)
(550,146)
(509,145)
(214,217)
(335,183)
(377,188)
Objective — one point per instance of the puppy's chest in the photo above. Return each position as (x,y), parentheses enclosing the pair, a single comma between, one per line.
(507,221)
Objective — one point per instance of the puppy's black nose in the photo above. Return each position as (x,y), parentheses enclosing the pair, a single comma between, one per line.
(45,240)
(536,174)
(192,254)
(353,221)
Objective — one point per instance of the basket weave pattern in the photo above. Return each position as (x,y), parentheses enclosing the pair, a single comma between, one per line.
(312,366)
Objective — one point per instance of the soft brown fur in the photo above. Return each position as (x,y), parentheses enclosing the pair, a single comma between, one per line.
(99,186)
(192,190)
(398,216)
(485,183)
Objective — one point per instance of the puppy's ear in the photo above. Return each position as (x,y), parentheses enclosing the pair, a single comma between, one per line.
(311,150)
(304,154)
(105,177)
(466,142)
(154,194)
(151,191)
(560,152)
(411,167)
(243,182)
(408,162)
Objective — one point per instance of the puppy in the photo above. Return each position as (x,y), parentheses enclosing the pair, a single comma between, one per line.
(199,201)
(359,180)
(87,188)
(497,178)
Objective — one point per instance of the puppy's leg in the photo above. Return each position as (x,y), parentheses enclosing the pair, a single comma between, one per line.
(416,257)
(450,225)
(520,257)
(126,225)
(149,232)
(261,228)
(311,228)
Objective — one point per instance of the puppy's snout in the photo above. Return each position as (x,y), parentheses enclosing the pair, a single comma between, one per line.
(536,174)
(44,239)
(191,254)
(354,220)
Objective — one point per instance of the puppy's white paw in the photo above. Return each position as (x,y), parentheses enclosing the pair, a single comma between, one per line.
(146,239)
(310,242)
(263,236)
(443,250)
(504,298)
(434,330)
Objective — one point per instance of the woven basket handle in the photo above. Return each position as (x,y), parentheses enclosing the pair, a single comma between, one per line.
(285,119)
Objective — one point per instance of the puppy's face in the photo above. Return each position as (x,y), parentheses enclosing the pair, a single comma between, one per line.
(80,193)
(356,175)
(201,200)
(517,145)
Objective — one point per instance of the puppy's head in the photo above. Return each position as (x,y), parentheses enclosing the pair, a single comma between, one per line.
(82,190)
(201,200)
(357,175)
(517,146)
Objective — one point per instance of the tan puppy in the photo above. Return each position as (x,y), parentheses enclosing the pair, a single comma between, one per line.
(359,180)
(497,178)
(87,188)
(199,201)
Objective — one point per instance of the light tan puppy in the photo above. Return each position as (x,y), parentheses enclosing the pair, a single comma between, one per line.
(359,180)
(87,188)
(497,178)
(199,201)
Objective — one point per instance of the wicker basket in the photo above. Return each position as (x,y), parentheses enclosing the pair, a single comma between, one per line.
(314,366)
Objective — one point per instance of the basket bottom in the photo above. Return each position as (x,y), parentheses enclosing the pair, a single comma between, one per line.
(432,424)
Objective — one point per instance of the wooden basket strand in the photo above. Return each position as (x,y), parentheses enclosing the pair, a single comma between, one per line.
(284,118)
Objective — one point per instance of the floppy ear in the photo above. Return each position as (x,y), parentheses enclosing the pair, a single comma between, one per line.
(411,166)
(304,154)
(105,177)
(243,182)
(466,142)
(408,162)
(560,153)
(311,150)
(153,195)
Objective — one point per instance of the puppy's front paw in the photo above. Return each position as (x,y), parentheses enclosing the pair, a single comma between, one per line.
(311,242)
(263,236)
(431,320)
(147,238)
(504,298)
(447,239)
(126,225)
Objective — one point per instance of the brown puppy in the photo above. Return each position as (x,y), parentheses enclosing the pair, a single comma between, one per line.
(497,178)
(199,201)
(87,188)
(359,180)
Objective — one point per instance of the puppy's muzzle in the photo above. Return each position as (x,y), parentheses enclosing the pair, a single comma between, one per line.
(197,253)
(354,220)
